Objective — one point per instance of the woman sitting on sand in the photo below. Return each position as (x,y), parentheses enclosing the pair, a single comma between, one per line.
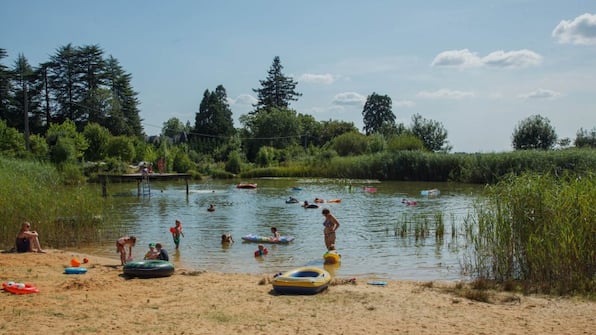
(27,240)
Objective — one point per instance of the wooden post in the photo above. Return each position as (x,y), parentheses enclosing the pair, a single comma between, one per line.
(104,187)
(186,179)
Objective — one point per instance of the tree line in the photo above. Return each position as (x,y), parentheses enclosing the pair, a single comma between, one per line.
(82,105)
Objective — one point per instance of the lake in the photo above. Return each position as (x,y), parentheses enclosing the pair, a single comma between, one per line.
(379,237)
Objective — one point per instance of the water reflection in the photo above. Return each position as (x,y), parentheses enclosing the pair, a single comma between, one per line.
(379,235)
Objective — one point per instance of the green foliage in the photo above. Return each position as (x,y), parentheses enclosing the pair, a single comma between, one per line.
(490,167)
(534,132)
(72,143)
(97,137)
(431,133)
(12,143)
(405,141)
(63,151)
(121,147)
(377,113)
(213,123)
(39,148)
(265,156)
(277,128)
(173,127)
(234,163)
(65,216)
(538,229)
(182,162)
(72,174)
(144,152)
(350,144)
(115,165)
(585,139)
(277,90)
(376,143)
(331,129)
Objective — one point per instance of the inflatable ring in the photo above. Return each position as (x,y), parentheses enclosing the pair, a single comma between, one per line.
(75,270)
(148,269)
(331,258)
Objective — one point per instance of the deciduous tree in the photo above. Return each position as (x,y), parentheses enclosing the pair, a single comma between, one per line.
(585,138)
(431,133)
(534,132)
(377,113)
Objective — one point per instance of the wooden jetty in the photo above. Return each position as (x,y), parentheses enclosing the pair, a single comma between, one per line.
(143,180)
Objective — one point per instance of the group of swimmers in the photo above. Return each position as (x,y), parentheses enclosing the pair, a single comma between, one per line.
(28,240)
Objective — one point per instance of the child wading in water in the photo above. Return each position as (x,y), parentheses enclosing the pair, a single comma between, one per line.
(261,251)
(176,233)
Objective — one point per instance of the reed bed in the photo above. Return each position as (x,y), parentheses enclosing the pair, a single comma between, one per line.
(538,230)
(480,168)
(63,215)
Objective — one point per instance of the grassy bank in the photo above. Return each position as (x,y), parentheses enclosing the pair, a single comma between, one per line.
(63,215)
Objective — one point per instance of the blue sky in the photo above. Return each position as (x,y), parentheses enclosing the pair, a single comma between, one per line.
(478,67)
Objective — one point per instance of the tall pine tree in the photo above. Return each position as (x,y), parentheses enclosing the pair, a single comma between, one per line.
(277,90)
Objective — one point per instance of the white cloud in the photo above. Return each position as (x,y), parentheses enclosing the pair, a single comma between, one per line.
(502,59)
(540,93)
(243,100)
(349,99)
(326,78)
(404,103)
(512,59)
(581,30)
(457,58)
(444,93)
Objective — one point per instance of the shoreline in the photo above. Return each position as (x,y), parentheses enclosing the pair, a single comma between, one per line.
(102,301)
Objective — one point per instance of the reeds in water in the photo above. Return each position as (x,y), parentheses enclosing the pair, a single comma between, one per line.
(538,229)
(63,215)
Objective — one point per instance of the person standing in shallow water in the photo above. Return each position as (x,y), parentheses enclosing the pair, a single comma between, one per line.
(331,224)
(177,232)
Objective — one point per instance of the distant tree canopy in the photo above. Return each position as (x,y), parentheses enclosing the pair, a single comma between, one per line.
(432,134)
(377,113)
(534,132)
(277,90)
(77,84)
(585,139)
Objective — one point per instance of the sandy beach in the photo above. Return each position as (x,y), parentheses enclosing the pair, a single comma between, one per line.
(192,301)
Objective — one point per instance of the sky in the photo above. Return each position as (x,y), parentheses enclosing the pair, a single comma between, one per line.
(477,67)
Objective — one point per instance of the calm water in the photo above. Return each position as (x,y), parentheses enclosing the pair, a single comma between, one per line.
(368,239)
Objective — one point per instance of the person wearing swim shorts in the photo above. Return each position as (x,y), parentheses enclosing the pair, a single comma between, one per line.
(177,232)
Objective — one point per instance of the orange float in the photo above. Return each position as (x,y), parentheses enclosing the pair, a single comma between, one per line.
(19,288)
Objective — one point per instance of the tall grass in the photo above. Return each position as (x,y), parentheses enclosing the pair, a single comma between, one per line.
(63,215)
(481,168)
(539,229)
